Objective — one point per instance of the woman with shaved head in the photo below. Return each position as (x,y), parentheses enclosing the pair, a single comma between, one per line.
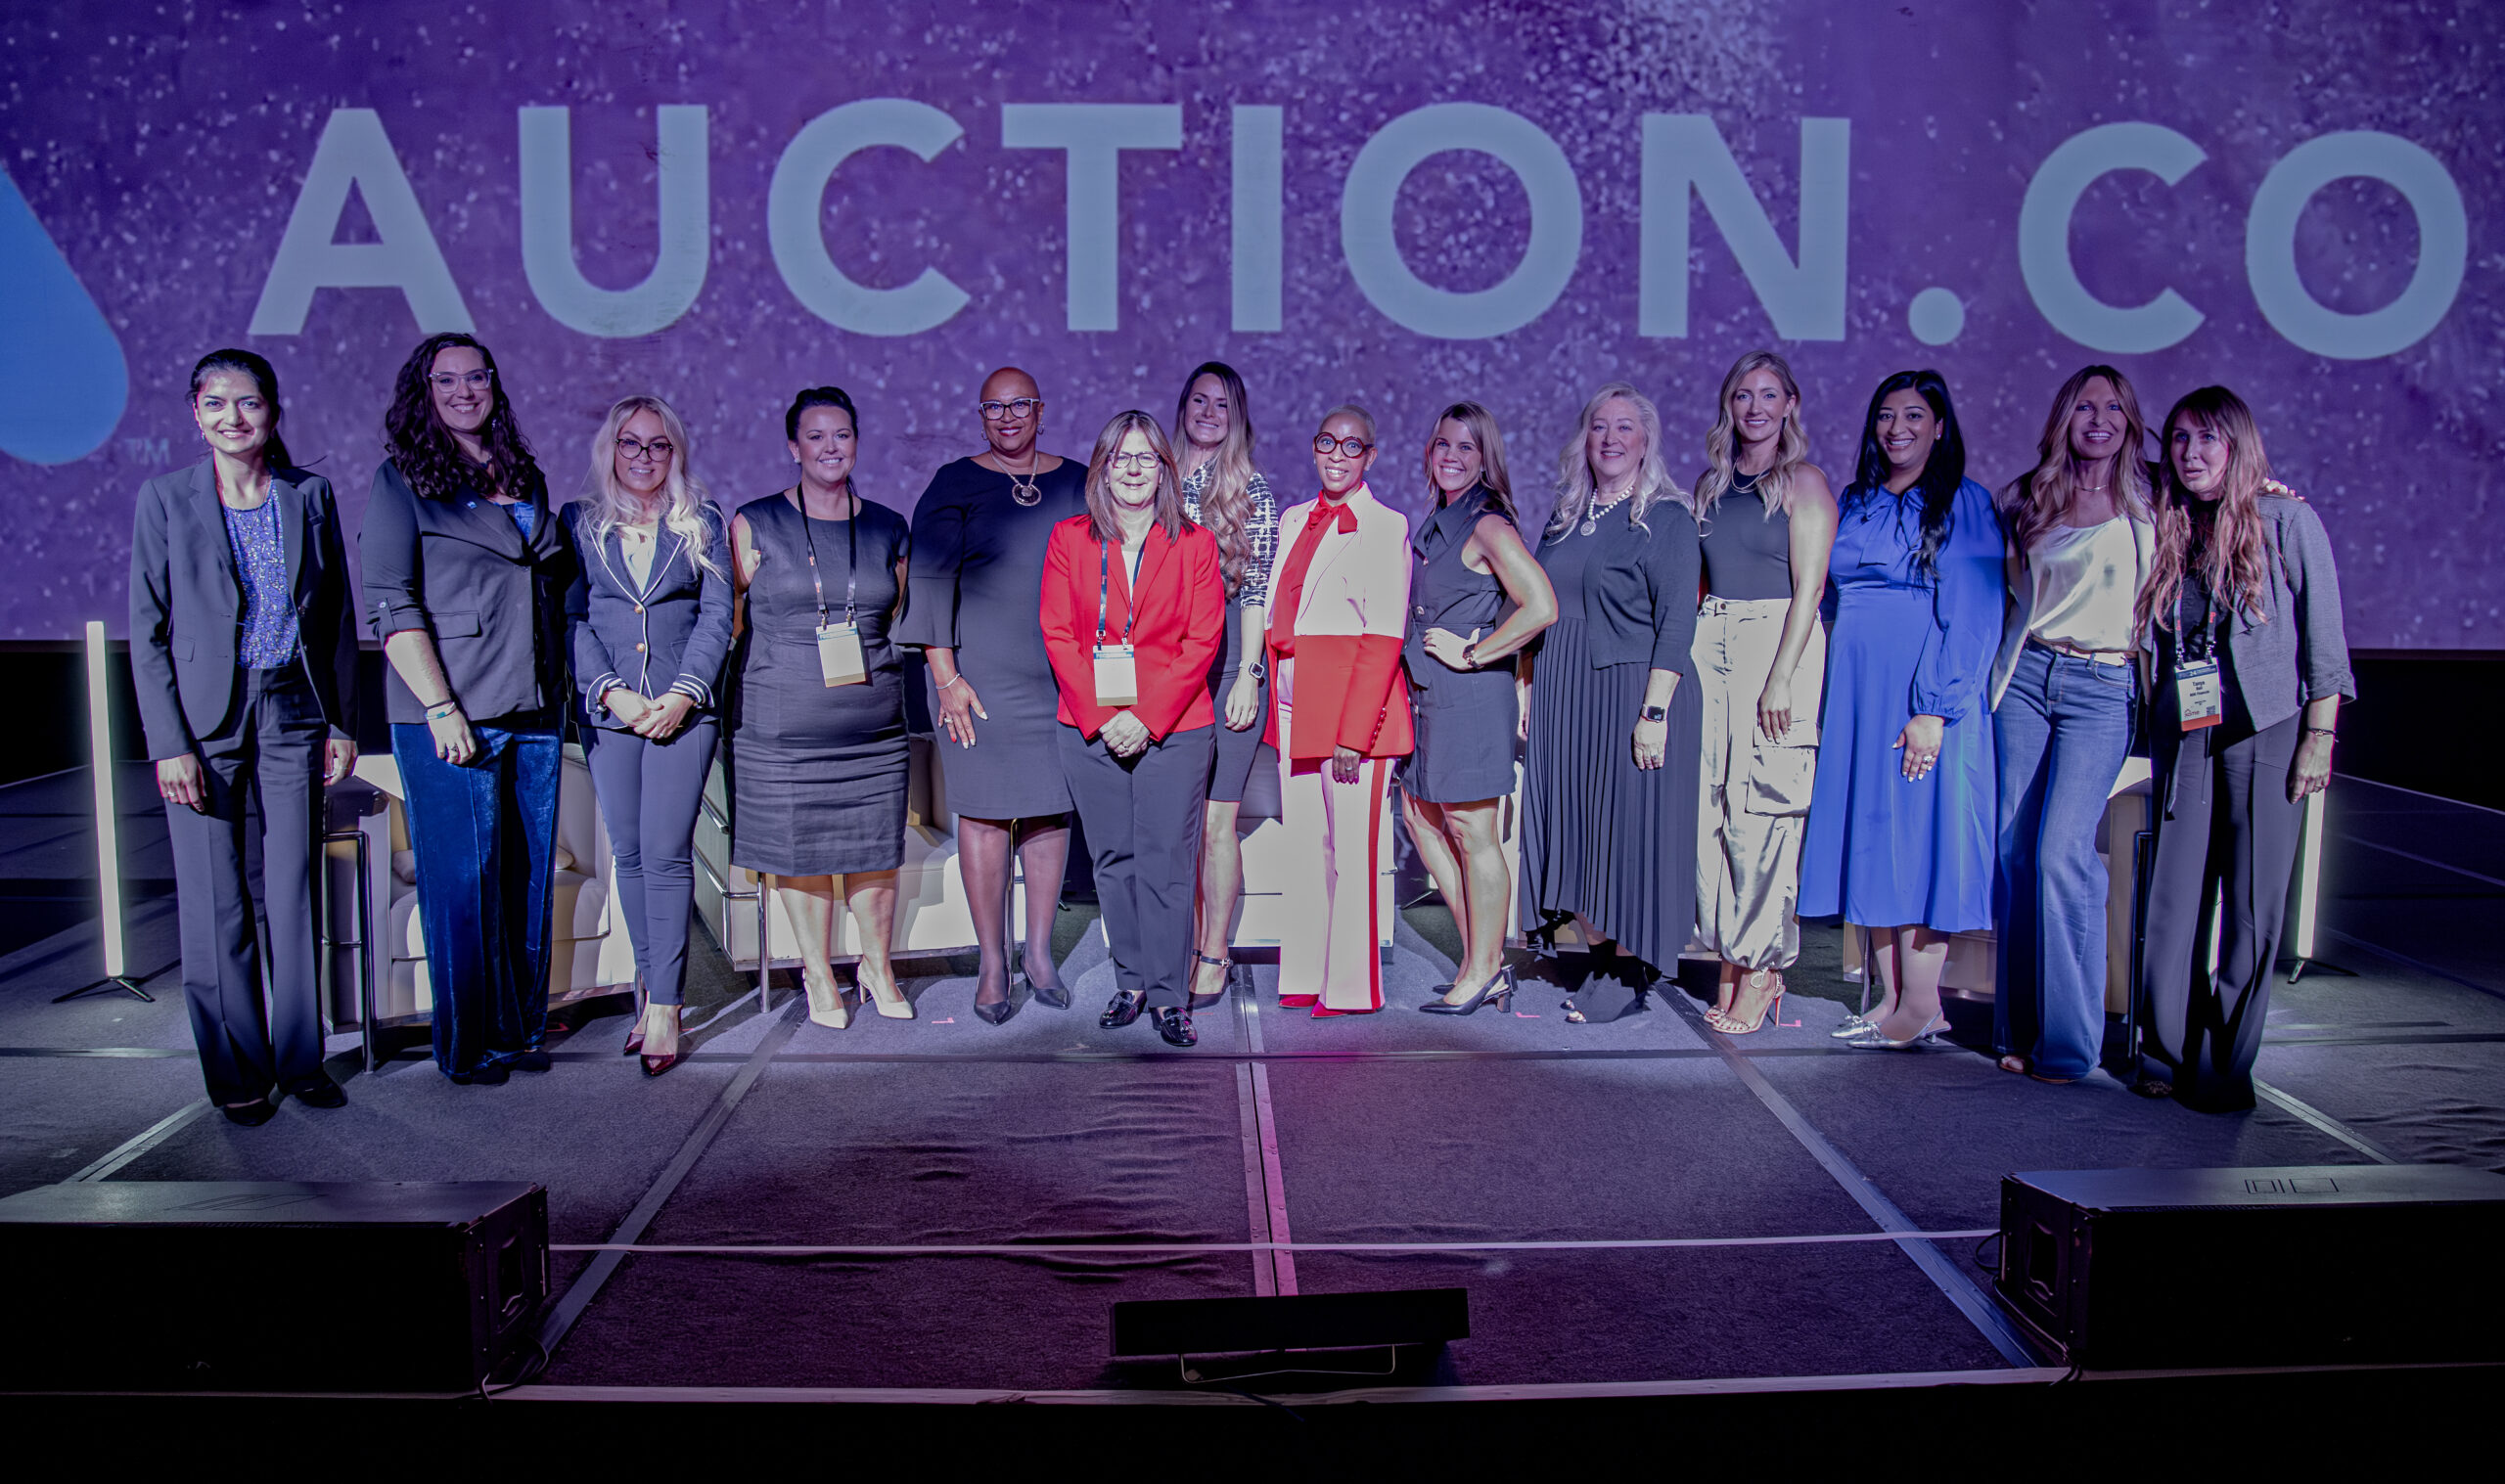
(978,536)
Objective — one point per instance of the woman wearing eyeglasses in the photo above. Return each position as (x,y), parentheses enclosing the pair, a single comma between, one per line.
(1609,787)
(1132,610)
(979,538)
(465,573)
(243,647)
(818,746)
(649,625)
(1339,605)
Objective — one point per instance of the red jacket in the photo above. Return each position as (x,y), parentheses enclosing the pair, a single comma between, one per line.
(1349,627)
(1182,617)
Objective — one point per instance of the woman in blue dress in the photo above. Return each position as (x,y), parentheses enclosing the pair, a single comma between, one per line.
(1902,819)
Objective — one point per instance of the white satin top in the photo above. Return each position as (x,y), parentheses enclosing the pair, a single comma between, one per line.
(2086,580)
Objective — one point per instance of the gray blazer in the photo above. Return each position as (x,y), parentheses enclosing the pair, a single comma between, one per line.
(187,604)
(2300,653)
(671,631)
(461,569)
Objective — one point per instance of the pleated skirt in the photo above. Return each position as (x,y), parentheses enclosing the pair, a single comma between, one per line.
(1600,836)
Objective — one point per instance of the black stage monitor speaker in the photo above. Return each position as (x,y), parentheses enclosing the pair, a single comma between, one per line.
(1167,1328)
(2118,1270)
(232,1286)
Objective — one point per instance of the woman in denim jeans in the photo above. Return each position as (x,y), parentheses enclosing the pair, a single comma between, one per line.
(2065,701)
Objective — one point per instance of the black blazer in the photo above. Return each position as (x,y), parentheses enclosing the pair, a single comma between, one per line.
(460,569)
(1640,595)
(671,633)
(187,604)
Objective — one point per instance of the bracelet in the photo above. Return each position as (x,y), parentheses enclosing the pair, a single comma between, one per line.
(953,680)
(2320,732)
(438,713)
(1470,655)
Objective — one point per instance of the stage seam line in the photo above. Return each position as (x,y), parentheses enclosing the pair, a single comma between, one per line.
(2458,803)
(2308,1113)
(1256,1198)
(106,1053)
(1098,1249)
(2360,840)
(1944,1273)
(140,1143)
(2406,962)
(1273,1176)
(586,1287)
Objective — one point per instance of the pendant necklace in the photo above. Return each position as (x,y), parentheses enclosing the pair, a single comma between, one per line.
(1027,491)
(1592,512)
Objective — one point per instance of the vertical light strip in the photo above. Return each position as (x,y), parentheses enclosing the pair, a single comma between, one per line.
(100,758)
(2310,875)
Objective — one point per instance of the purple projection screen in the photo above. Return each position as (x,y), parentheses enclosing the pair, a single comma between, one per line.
(1399,205)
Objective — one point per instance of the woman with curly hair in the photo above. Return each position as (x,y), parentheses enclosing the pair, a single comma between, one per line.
(465,572)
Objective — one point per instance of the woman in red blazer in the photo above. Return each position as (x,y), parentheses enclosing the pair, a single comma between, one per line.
(1133,610)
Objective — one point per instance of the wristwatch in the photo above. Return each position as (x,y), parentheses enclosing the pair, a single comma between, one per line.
(1654,713)
(1256,669)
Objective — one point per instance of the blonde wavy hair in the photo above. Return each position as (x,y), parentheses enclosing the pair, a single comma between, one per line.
(2040,499)
(1722,445)
(1652,482)
(683,494)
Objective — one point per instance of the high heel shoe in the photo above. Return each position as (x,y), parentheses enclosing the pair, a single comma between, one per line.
(1202,1001)
(1853,1025)
(1497,991)
(1873,1039)
(1731,1025)
(997,1011)
(826,1008)
(656,1063)
(635,1035)
(1052,994)
(897,1009)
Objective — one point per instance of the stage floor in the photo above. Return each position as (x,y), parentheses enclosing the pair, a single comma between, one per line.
(1632,1205)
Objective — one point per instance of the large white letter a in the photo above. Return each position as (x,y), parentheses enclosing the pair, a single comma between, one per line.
(355,153)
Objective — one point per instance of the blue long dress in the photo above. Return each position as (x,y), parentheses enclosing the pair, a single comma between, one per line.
(1884,850)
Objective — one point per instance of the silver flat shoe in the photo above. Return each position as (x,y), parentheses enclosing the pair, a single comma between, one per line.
(1871,1038)
(1853,1025)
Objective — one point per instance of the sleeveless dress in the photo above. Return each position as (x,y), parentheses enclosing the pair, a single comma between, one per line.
(1243,768)
(818,771)
(1466,719)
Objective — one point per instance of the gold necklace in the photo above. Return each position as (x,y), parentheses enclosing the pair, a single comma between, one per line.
(1028,492)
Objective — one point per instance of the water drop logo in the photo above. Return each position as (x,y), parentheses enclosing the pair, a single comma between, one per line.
(63,378)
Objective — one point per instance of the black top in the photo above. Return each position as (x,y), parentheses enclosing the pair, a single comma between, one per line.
(1639,590)
(494,599)
(1443,592)
(858,555)
(186,603)
(1747,545)
(669,633)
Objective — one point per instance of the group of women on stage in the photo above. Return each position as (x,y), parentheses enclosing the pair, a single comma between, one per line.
(1147,640)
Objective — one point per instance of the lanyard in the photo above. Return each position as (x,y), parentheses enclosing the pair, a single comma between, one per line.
(1104,577)
(851,556)
(2203,642)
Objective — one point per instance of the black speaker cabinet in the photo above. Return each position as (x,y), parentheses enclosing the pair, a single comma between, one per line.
(223,1285)
(2118,1270)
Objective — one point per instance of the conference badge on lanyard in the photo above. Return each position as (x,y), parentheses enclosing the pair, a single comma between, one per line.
(840,654)
(1116,667)
(2197,696)
(840,660)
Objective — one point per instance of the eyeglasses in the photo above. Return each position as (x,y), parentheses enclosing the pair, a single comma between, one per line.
(634,451)
(1143,461)
(1355,448)
(1017,407)
(450,381)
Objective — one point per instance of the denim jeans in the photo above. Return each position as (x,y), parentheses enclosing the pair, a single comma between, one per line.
(2062,732)
(484,837)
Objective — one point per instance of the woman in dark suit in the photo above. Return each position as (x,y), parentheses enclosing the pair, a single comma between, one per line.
(242,644)
(465,575)
(648,621)
(1133,608)
(1614,725)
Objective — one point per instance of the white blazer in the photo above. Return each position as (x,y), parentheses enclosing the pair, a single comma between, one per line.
(1359,582)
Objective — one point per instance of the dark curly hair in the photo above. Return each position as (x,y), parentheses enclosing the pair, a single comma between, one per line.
(418,443)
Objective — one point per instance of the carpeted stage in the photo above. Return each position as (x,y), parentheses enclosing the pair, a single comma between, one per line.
(1639,1209)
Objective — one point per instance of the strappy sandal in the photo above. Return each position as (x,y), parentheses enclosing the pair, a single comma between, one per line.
(1202,1001)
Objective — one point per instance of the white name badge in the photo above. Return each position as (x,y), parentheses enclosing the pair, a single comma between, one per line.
(2197,696)
(840,654)
(1116,676)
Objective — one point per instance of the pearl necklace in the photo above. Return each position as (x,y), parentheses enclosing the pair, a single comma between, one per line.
(1592,512)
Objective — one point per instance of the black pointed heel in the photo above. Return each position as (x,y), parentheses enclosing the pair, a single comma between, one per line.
(1203,1001)
(1497,991)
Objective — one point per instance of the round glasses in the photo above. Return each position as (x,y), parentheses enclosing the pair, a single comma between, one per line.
(635,451)
(1355,448)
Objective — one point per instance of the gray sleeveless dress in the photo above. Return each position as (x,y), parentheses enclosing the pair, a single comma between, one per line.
(1466,719)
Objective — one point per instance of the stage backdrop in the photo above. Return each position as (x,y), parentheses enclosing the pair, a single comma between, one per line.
(723,201)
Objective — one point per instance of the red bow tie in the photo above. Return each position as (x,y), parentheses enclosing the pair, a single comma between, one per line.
(1343,518)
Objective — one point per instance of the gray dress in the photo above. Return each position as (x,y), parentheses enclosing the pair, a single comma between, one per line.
(978,587)
(1466,719)
(1243,768)
(818,771)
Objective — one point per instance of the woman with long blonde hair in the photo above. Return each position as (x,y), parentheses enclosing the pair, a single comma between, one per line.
(648,620)
(2252,665)
(1227,497)
(1613,723)
(1769,521)
(1477,597)
(2064,704)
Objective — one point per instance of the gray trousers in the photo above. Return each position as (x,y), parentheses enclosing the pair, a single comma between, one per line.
(648,793)
(269,752)
(2229,841)
(1142,817)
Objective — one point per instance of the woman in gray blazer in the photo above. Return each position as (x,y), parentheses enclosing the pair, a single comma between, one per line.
(2252,665)
(648,620)
(465,575)
(244,648)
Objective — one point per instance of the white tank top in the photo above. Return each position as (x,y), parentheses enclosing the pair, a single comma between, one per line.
(2086,580)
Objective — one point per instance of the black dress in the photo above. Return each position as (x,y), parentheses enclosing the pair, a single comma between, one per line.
(977,588)
(1600,836)
(818,771)
(1467,722)
(1245,769)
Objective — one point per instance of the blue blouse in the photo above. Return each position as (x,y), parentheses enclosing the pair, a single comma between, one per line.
(268,638)
(1878,536)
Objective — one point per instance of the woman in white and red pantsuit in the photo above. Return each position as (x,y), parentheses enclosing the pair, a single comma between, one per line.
(1338,606)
